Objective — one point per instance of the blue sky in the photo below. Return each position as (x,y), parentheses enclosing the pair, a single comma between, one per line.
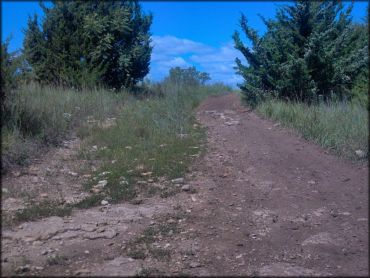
(184,33)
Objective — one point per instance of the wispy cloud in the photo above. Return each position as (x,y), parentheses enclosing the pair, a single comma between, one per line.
(170,51)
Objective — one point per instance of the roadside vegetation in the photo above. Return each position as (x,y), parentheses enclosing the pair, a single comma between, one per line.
(340,127)
(310,72)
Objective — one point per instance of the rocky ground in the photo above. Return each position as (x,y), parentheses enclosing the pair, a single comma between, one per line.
(261,201)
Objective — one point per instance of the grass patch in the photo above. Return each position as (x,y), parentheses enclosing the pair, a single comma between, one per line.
(57,260)
(41,210)
(142,246)
(340,127)
(90,201)
(42,115)
(150,138)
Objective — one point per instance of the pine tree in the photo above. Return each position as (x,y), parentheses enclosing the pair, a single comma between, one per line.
(86,43)
(310,49)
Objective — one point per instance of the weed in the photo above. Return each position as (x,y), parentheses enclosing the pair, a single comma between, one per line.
(40,210)
(137,254)
(90,201)
(57,260)
(160,254)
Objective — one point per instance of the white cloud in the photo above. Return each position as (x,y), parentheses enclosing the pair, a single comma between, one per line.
(170,51)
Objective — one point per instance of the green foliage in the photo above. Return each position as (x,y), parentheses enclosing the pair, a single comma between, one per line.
(341,127)
(89,43)
(187,77)
(310,49)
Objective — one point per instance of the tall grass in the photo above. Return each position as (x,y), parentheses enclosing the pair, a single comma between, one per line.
(37,115)
(341,127)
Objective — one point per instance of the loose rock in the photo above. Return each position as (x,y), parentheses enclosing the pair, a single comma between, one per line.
(185,187)
(178,180)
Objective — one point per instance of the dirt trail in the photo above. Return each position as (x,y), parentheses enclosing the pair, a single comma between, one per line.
(267,203)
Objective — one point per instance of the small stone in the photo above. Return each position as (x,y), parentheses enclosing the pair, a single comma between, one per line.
(16,174)
(35,179)
(44,195)
(104,203)
(102,183)
(73,174)
(239,256)
(360,153)
(194,264)
(185,187)
(82,271)
(37,243)
(178,180)
(23,268)
(4,190)
(311,182)
(96,190)
(87,252)
(104,173)
(45,252)
(38,268)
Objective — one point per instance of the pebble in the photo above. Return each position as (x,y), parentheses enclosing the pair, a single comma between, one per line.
(87,252)
(35,179)
(82,271)
(194,264)
(360,153)
(178,180)
(185,187)
(73,174)
(102,183)
(23,268)
(104,202)
(4,190)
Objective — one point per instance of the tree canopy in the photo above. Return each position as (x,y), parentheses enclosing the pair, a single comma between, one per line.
(86,43)
(187,76)
(310,49)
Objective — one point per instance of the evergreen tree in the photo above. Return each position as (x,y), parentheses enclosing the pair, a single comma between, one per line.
(90,42)
(310,49)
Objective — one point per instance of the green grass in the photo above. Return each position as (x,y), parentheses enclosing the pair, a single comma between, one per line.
(41,210)
(340,127)
(156,135)
(40,115)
